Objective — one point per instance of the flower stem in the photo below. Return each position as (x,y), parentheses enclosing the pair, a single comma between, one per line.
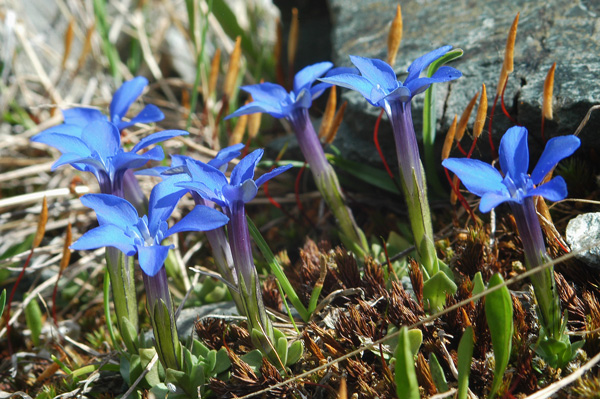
(327,181)
(412,179)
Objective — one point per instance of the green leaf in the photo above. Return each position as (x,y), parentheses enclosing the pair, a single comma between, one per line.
(131,368)
(478,285)
(435,290)
(405,376)
(129,333)
(254,359)
(465,356)
(151,378)
(199,349)
(282,349)
(294,352)
(165,333)
(276,269)
(33,318)
(499,315)
(211,361)
(415,339)
(228,21)
(222,363)
(18,248)
(437,373)
(368,174)
(2,301)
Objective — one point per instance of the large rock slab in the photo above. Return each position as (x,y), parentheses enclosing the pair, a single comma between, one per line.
(560,31)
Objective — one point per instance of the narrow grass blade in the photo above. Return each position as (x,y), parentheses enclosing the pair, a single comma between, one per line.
(405,376)
(465,355)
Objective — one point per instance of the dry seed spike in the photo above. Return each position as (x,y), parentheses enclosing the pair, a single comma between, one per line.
(69,34)
(87,47)
(293,39)
(214,72)
(509,53)
(464,119)
(238,132)
(481,113)
(234,68)
(66,257)
(41,228)
(337,121)
(394,37)
(329,114)
(449,139)
(548,89)
(254,124)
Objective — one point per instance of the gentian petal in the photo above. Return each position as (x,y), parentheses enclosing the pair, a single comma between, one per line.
(244,170)
(210,176)
(443,74)
(378,72)
(204,191)
(201,218)
(415,69)
(157,138)
(125,96)
(226,155)
(249,190)
(74,159)
(266,92)
(557,149)
(107,235)
(130,160)
(353,82)
(554,190)
(152,258)
(66,129)
(514,153)
(63,142)
(269,175)
(103,138)
(273,109)
(307,75)
(402,94)
(477,176)
(318,89)
(111,209)
(163,200)
(491,200)
(82,116)
(150,113)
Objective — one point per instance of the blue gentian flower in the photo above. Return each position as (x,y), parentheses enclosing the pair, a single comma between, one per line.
(212,184)
(377,80)
(486,181)
(98,150)
(122,99)
(273,99)
(122,228)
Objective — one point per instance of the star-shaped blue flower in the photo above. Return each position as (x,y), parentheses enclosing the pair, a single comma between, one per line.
(122,228)
(212,184)
(99,151)
(377,80)
(485,181)
(77,118)
(273,99)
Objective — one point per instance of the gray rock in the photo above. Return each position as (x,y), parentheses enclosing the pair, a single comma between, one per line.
(559,31)
(583,235)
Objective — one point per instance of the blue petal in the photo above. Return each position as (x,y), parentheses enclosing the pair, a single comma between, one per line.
(236,193)
(157,138)
(156,171)
(514,153)
(267,92)
(82,116)
(125,96)
(77,161)
(556,150)
(210,176)
(149,114)
(64,143)
(130,160)
(378,72)
(244,170)
(269,175)
(491,200)
(226,155)
(554,190)
(201,218)
(477,176)
(163,200)
(306,76)
(273,109)
(66,129)
(415,69)
(205,192)
(402,94)
(152,258)
(103,138)
(318,89)
(352,82)
(107,235)
(111,209)
(304,100)
(443,74)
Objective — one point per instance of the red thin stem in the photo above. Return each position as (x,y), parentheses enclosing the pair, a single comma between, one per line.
(490,127)
(10,299)
(462,150)
(503,106)
(460,197)
(247,147)
(376,141)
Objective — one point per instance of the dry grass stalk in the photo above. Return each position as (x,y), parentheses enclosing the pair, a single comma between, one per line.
(548,89)
(449,139)
(233,68)
(254,124)
(69,34)
(293,38)
(238,132)
(394,37)
(481,114)
(329,113)
(464,119)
